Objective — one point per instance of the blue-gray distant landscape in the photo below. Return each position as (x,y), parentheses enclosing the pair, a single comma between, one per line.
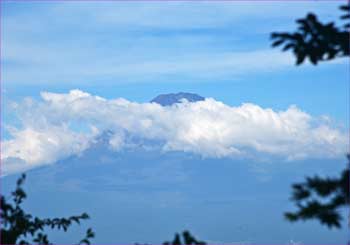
(160,117)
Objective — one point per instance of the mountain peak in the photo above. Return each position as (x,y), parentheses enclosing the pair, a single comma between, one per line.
(170,99)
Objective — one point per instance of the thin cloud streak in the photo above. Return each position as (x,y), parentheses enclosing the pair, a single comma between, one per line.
(130,42)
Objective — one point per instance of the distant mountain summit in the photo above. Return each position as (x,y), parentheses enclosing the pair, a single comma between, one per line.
(170,99)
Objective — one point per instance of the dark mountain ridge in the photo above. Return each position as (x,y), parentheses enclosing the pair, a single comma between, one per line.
(172,98)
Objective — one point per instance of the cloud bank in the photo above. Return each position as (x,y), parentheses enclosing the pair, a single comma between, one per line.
(64,125)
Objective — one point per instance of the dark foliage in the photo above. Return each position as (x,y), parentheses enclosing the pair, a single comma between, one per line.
(315,40)
(188,239)
(17,225)
(318,198)
(321,198)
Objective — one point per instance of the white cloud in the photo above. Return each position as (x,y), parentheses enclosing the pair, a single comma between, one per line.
(63,125)
(35,146)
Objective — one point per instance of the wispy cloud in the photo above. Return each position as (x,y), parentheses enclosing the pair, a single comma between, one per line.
(198,66)
(124,42)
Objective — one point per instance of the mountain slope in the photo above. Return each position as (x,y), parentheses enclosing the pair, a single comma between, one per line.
(170,99)
(145,195)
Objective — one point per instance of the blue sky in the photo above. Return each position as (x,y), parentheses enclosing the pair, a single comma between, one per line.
(137,50)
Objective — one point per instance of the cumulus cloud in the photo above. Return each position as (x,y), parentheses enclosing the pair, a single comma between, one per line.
(63,125)
(44,144)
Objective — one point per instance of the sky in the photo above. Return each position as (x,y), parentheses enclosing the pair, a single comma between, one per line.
(77,78)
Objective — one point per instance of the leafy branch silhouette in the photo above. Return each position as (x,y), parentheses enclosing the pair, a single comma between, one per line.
(318,198)
(315,40)
(188,239)
(321,198)
(17,225)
